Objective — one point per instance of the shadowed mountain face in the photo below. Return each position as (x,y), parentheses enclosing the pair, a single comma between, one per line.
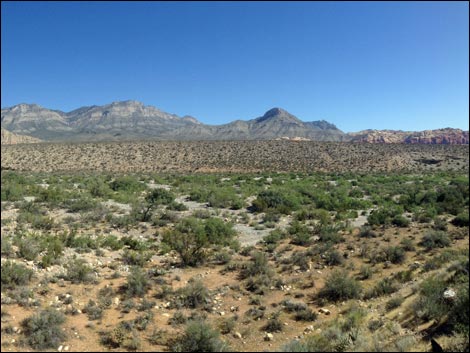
(130,120)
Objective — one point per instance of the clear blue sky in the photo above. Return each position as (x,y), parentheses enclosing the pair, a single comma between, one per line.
(397,65)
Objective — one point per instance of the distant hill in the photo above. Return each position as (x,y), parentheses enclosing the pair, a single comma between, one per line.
(447,136)
(9,138)
(132,120)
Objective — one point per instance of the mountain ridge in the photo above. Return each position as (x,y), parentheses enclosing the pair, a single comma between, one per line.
(132,120)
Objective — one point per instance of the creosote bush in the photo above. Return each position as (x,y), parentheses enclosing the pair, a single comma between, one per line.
(339,286)
(43,330)
(199,336)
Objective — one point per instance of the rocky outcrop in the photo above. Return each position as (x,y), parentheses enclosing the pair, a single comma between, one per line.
(447,136)
(9,138)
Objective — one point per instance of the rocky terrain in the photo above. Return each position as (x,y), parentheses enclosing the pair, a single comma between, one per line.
(9,138)
(131,120)
(446,136)
(234,156)
(310,262)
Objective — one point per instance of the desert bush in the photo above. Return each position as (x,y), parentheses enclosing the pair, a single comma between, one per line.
(276,200)
(393,303)
(29,247)
(339,286)
(78,271)
(126,184)
(430,303)
(433,239)
(194,294)
(334,258)
(6,247)
(400,221)
(385,286)
(198,336)
(273,324)
(461,220)
(123,335)
(227,325)
(365,272)
(135,258)
(299,234)
(43,330)
(259,265)
(93,310)
(394,254)
(178,318)
(407,244)
(305,315)
(315,343)
(191,237)
(13,274)
(367,232)
(137,282)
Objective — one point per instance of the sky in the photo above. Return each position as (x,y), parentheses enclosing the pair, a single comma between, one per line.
(358,65)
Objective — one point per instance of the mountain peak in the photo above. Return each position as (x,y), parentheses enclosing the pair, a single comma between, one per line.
(278,114)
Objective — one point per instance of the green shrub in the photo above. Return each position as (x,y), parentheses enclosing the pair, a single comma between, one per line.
(434,239)
(367,232)
(400,221)
(431,303)
(299,234)
(198,336)
(365,272)
(259,265)
(29,248)
(393,303)
(43,330)
(394,254)
(227,325)
(93,310)
(135,258)
(305,315)
(189,240)
(385,286)
(192,236)
(194,295)
(407,244)
(461,220)
(339,286)
(14,274)
(281,202)
(273,324)
(334,258)
(137,283)
(78,271)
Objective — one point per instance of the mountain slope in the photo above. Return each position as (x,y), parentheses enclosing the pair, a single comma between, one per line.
(36,121)
(10,138)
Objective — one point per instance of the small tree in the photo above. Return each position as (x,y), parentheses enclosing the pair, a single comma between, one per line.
(188,239)
(152,200)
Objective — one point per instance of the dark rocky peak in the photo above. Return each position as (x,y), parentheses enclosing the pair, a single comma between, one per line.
(322,125)
(278,114)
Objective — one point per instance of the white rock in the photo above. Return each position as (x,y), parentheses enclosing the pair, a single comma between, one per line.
(268,336)
(60,348)
(449,293)
(324,311)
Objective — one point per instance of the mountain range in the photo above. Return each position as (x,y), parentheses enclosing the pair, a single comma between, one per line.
(132,120)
